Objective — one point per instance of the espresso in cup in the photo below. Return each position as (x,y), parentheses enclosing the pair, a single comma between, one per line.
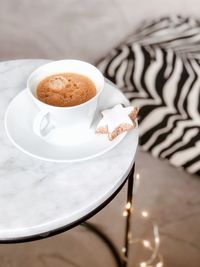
(65,89)
(67,94)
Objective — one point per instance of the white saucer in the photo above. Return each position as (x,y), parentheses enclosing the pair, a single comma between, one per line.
(19,121)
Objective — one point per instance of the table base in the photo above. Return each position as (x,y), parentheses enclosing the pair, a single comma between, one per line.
(121,259)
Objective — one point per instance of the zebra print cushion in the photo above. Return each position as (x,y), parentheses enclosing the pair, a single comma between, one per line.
(157,75)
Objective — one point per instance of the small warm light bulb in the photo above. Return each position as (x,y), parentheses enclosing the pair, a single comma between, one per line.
(128,205)
(143,264)
(157,240)
(123,249)
(159,264)
(125,213)
(145,214)
(146,243)
(137,176)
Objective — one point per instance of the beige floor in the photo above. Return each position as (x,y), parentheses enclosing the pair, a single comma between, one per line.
(68,29)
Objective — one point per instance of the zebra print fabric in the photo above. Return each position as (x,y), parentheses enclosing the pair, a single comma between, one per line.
(157,75)
(178,33)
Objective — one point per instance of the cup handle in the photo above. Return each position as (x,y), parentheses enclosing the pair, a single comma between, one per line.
(41,124)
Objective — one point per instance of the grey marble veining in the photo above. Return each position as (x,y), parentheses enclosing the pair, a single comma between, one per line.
(38,196)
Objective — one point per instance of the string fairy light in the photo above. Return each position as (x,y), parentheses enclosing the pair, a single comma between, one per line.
(125,213)
(123,249)
(128,205)
(145,214)
(137,176)
(146,243)
(155,259)
(143,264)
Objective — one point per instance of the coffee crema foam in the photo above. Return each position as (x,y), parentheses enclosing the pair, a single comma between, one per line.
(65,89)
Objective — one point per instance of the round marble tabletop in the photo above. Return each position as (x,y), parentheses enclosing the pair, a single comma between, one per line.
(38,196)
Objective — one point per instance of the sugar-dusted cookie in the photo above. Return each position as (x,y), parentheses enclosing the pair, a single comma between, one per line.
(117,120)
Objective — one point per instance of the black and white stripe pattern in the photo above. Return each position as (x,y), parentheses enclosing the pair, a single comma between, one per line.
(166,86)
(178,33)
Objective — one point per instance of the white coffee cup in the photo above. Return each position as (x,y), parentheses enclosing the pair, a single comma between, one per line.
(70,119)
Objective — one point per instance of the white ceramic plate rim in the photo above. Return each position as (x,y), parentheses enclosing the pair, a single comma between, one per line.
(115,143)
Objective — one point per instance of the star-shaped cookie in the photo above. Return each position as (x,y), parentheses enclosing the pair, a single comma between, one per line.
(117,120)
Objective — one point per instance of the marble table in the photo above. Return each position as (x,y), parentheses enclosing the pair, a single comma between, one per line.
(39,197)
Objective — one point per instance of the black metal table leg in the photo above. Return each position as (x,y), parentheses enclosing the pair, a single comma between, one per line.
(128,211)
(120,261)
(106,240)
